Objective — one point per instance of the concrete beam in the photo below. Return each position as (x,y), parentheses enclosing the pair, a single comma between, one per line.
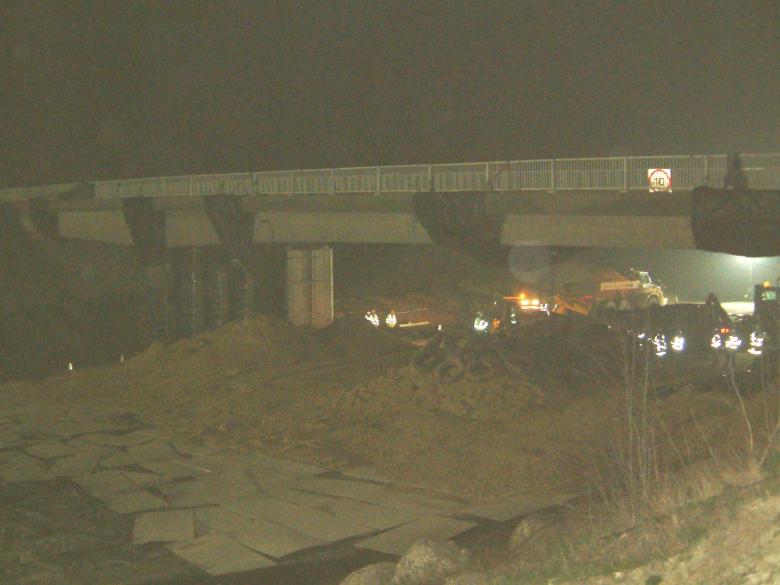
(342,227)
(597,231)
(100,226)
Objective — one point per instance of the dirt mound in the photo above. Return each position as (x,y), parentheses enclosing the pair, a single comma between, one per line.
(352,337)
(259,342)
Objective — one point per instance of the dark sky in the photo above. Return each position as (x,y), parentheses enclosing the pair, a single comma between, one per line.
(119,89)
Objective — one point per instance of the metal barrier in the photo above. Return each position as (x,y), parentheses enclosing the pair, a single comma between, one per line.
(620,174)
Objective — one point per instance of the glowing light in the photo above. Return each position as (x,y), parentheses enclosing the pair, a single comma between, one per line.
(70,366)
(481,325)
(678,343)
(756,343)
(660,344)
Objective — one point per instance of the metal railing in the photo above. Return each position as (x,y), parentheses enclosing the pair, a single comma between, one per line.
(620,174)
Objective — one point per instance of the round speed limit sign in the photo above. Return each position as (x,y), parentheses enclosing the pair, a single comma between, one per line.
(659,180)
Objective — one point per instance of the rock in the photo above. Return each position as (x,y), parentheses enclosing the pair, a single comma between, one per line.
(376,574)
(429,562)
(468,579)
(527,528)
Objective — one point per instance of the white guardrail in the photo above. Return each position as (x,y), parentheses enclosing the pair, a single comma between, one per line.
(620,174)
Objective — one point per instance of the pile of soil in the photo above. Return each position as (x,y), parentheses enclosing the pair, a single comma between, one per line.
(347,396)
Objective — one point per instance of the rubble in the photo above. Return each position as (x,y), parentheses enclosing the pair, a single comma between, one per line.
(429,562)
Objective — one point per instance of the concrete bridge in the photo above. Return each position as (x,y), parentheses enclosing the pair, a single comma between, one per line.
(595,202)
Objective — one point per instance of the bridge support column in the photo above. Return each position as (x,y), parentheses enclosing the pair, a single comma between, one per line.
(310,285)
(162,308)
(235,229)
(190,288)
(216,289)
(147,229)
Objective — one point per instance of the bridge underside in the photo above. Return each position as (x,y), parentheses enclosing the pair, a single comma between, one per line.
(587,219)
(735,222)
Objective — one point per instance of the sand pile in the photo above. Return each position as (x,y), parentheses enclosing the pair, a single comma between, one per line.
(353,338)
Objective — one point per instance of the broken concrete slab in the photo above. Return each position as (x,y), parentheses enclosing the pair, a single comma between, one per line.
(220,555)
(397,540)
(118,440)
(191,447)
(274,467)
(132,502)
(174,469)
(420,503)
(342,488)
(284,492)
(270,538)
(106,482)
(209,489)
(20,467)
(154,451)
(75,466)
(309,521)
(49,450)
(143,479)
(368,514)
(365,472)
(165,526)
(516,506)
(118,459)
(217,462)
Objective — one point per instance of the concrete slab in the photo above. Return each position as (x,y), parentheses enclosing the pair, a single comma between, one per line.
(284,492)
(118,440)
(368,514)
(263,536)
(191,447)
(154,451)
(220,555)
(217,462)
(143,479)
(20,467)
(118,459)
(132,502)
(174,469)
(365,472)
(303,519)
(342,488)
(209,489)
(398,540)
(166,526)
(75,466)
(106,482)
(49,450)
(420,503)
(516,506)
(271,466)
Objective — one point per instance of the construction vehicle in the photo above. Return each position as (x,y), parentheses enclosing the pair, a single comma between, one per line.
(609,291)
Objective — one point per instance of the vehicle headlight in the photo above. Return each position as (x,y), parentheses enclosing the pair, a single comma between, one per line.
(678,343)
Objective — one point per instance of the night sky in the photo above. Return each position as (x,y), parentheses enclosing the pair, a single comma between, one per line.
(92,90)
